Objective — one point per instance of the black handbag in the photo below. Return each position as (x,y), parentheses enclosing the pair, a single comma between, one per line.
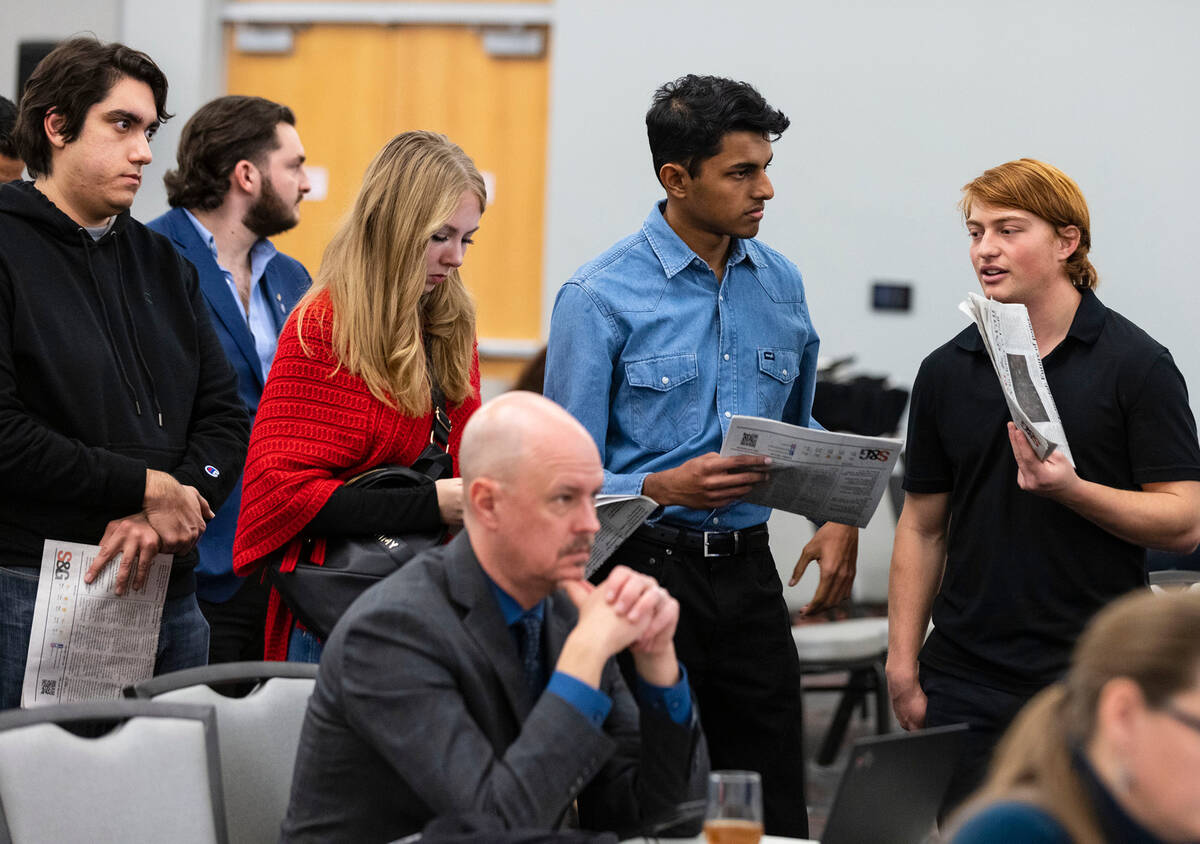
(318,594)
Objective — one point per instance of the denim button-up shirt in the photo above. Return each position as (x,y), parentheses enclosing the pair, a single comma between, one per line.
(654,356)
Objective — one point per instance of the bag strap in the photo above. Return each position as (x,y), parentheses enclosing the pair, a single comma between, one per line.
(439,433)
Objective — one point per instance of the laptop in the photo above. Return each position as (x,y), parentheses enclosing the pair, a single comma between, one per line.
(892,787)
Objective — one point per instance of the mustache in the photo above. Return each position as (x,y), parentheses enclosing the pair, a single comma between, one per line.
(583,545)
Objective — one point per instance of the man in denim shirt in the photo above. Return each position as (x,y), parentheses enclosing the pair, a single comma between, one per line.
(654,346)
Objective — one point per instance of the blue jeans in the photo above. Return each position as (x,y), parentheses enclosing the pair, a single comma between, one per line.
(18,594)
(304,646)
(182,636)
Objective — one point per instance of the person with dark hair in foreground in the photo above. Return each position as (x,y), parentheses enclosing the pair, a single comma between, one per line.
(1111,753)
(120,423)
(11,164)
(479,678)
(654,346)
(240,180)
(1013,555)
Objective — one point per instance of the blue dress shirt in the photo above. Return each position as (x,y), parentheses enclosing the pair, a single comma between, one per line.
(675,702)
(260,320)
(654,356)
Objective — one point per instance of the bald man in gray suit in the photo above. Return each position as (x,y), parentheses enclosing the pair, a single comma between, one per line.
(480,678)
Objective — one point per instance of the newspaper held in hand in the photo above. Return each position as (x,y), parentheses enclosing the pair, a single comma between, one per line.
(619,516)
(1008,337)
(87,641)
(824,475)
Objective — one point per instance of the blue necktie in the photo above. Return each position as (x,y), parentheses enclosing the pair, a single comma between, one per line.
(530,638)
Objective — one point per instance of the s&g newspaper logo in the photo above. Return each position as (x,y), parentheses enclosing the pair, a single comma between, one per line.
(62,565)
(880,454)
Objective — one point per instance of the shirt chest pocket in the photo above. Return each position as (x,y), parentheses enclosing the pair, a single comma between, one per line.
(777,370)
(662,401)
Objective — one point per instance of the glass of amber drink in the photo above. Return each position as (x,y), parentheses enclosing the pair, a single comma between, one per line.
(734,813)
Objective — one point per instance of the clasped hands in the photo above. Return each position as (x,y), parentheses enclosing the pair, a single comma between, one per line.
(172,519)
(628,610)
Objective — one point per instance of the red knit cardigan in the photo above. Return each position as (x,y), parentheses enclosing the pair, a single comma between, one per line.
(314,428)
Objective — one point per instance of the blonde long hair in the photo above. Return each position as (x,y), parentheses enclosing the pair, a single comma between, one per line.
(374,273)
(1150,639)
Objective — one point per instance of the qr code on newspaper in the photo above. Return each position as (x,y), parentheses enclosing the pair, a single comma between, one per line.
(50,688)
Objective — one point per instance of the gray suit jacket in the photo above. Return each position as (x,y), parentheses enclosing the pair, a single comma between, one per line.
(420,710)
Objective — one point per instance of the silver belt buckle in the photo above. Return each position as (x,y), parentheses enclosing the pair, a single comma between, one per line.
(735,535)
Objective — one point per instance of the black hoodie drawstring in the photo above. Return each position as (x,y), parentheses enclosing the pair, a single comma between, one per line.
(137,345)
(112,341)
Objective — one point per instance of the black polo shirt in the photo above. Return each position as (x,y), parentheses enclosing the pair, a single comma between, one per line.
(1024,573)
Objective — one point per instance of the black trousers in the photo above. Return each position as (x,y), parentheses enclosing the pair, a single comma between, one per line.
(734,637)
(987,711)
(236,626)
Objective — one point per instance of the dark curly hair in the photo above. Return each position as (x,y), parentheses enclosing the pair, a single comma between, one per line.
(690,116)
(75,76)
(219,135)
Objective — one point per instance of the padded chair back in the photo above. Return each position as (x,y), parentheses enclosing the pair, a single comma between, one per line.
(155,777)
(259,734)
(1165,581)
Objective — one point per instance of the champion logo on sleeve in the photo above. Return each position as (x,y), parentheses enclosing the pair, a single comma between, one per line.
(212,471)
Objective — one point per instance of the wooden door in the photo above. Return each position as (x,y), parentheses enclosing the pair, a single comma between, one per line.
(353,87)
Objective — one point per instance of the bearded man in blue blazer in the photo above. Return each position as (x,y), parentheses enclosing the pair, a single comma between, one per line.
(240,180)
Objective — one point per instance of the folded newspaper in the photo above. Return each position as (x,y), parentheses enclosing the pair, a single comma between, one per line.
(87,641)
(1008,337)
(824,475)
(619,516)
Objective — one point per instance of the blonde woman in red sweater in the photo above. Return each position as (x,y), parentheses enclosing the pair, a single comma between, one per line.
(350,386)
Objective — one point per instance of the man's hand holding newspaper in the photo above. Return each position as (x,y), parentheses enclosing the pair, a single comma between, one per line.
(1052,477)
(1008,338)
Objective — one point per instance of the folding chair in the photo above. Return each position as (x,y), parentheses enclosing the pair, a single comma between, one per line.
(259,734)
(155,777)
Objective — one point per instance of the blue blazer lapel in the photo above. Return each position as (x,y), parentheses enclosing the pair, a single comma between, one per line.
(284,287)
(275,298)
(224,306)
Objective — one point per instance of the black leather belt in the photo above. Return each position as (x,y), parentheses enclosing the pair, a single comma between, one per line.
(710,543)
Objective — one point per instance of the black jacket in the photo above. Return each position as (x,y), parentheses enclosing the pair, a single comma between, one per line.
(108,367)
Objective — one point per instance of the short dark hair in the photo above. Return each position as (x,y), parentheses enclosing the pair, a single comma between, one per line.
(8,119)
(72,78)
(215,138)
(690,116)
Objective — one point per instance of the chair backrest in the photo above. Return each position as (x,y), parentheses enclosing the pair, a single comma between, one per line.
(259,734)
(155,777)
(1164,581)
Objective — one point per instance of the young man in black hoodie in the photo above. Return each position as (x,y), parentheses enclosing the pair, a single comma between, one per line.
(120,423)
